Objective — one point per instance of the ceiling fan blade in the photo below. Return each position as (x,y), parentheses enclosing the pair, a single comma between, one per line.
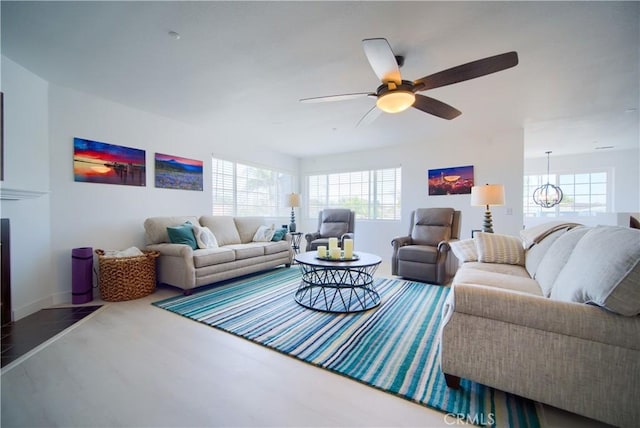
(435,107)
(382,60)
(369,117)
(467,71)
(341,97)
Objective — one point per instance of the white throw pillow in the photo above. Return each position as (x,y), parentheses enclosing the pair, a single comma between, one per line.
(264,234)
(495,248)
(205,237)
(465,250)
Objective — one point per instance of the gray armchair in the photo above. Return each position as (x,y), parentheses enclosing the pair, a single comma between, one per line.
(423,254)
(332,223)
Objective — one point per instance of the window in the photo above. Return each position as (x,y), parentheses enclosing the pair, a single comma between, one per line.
(371,194)
(246,190)
(585,194)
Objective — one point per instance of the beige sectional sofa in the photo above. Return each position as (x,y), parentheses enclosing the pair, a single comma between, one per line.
(552,315)
(233,252)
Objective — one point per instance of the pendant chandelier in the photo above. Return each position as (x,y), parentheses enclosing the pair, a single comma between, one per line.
(547,195)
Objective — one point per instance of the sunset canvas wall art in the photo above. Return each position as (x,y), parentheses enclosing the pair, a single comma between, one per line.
(97,162)
(174,172)
(451,181)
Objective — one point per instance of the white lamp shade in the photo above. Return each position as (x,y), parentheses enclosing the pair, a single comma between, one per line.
(489,194)
(293,200)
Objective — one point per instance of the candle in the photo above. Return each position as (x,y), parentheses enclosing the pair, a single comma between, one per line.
(335,253)
(333,243)
(322,251)
(348,248)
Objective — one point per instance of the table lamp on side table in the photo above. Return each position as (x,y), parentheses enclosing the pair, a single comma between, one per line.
(489,194)
(293,201)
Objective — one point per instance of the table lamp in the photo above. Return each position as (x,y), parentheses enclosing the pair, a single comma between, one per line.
(293,201)
(489,194)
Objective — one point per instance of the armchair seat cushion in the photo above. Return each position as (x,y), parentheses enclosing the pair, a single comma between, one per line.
(418,253)
(321,241)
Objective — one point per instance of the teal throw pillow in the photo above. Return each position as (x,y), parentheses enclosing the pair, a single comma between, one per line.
(279,235)
(182,234)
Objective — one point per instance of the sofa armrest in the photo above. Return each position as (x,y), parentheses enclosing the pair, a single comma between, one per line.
(312,236)
(175,250)
(175,265)
(443,246)
(400,241)
(348,235)
(571,319)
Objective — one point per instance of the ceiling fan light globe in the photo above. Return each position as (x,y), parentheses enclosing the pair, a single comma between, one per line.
(395,101)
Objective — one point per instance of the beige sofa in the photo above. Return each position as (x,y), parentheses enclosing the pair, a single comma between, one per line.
(555,320)
(234,252)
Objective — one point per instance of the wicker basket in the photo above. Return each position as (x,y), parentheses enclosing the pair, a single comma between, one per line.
(126,278)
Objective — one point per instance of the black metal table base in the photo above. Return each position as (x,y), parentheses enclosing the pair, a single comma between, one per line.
(339,289)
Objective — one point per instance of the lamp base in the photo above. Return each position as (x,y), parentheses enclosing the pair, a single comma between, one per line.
(292,225)
(487,226)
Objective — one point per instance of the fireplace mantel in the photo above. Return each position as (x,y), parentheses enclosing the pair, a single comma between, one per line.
(7,194)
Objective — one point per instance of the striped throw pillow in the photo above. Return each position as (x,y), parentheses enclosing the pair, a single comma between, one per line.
(465,250)
(495,248)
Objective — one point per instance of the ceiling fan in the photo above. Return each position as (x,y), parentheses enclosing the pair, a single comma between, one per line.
(396,95)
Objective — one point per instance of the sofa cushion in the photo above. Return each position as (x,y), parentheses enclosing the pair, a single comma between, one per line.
(247,227)
(212,256)
(223,227)
(431,226)
(535,253)
(276,247)
(556,257)
(465,250)
(182,234)
(496,248)
(522,282)
(155,228)
(515,270)
(603,269)
(247,251)
(418,253)
(204,237)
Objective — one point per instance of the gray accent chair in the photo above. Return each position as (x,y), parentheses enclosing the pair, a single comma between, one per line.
(332,223)
(422,255)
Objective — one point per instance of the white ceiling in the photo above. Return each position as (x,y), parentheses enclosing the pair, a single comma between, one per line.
(239,68)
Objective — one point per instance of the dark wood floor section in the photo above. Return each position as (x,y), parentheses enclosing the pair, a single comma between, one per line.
(20,337)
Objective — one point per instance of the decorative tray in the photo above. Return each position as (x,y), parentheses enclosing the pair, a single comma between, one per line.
(341,259)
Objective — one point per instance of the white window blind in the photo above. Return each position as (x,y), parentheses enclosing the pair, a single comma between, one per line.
(373,194)
(246,190)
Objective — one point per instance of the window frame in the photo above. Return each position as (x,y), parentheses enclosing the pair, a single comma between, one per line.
(531,210)
(273,206)
(340,180)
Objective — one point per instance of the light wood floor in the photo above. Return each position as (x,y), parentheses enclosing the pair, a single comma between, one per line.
(131,364)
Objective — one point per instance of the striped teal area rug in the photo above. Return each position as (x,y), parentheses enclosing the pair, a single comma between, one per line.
(393,347)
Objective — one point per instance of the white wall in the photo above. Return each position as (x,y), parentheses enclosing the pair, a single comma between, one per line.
(41,120)
(26,168)
(498,159)
(111,216)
